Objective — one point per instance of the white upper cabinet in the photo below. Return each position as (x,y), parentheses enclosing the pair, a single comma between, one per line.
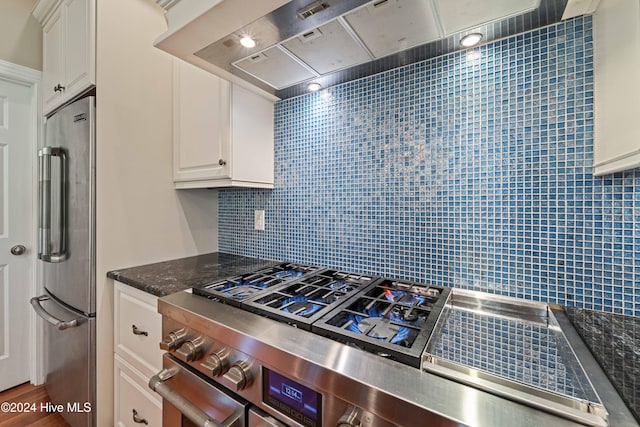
(200,124)
(79,45)
(617,86)
(223,133)
(68,49)
(52,60)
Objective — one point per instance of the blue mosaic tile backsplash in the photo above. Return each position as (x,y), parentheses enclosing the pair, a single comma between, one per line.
(470,170)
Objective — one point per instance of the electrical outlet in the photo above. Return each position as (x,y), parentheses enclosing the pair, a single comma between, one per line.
(258,219)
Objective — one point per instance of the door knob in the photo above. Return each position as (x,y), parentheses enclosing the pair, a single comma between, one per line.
(18,250)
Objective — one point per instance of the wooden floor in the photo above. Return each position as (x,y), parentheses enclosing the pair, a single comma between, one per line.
(28,394)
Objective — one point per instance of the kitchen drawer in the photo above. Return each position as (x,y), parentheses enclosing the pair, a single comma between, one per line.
(136,308)
(133,394)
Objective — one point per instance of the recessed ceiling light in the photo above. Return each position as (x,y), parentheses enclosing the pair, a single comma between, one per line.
(471,39)
(313,87)
(247,42)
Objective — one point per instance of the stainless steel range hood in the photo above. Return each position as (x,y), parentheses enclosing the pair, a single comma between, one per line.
(295,44)
(331,41)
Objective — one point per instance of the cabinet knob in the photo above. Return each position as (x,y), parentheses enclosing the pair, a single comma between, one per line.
(222,162)
(58,88)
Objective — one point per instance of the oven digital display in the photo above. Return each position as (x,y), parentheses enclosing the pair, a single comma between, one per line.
(294,400)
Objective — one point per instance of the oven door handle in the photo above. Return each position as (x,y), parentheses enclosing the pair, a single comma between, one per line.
(192,412)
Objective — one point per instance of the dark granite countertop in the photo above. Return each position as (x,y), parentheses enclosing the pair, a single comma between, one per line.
(167,277)
(614,341)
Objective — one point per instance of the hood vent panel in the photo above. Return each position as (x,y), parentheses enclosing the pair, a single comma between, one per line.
(276,67)
(327,49)
(461,15)
(390,26)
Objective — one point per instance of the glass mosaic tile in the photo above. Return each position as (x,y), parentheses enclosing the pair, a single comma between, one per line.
(470,170)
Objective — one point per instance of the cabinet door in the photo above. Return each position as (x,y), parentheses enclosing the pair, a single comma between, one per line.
(201,121)
(52,61)
(252,136)
(134,403)
(79,59)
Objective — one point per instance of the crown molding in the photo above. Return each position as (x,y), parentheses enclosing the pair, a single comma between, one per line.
(43,10)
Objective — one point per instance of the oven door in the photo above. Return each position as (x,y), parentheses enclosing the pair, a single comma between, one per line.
(190,400)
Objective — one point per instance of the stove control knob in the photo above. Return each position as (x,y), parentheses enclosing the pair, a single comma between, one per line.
(351,417)
(217,362)
(174,339)
(191,350)
(240,375)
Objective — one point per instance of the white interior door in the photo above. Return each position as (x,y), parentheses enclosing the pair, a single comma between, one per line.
(16,216)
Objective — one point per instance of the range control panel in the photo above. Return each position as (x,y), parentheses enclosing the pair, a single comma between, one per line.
(291,399)
(267,387)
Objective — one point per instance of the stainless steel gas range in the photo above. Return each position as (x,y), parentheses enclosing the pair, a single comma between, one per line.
(304,346)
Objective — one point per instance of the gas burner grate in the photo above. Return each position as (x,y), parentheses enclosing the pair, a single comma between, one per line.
(305,300)
(390,318)
(393,323)
(236,289)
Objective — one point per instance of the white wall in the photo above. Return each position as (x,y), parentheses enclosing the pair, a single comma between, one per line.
(20,34)
(140,217)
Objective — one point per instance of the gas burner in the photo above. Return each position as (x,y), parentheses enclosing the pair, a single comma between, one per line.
(303,301)
(388,323)
(407,294)
(342,287)
(408,315)
(234,290)
(378,328)
(390,318)
(243,292)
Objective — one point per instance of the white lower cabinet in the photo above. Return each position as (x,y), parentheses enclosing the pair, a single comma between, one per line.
(135,403)
(137,334)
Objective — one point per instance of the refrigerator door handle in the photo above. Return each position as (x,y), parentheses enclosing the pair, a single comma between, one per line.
(44,204)
(61,325)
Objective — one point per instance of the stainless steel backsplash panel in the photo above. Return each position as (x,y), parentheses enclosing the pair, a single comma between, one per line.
(506,347)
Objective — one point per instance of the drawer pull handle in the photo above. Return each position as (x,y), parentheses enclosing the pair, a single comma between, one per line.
(138,420)
(137,331)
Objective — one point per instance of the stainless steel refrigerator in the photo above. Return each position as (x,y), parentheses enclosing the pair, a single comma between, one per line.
(66,253)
